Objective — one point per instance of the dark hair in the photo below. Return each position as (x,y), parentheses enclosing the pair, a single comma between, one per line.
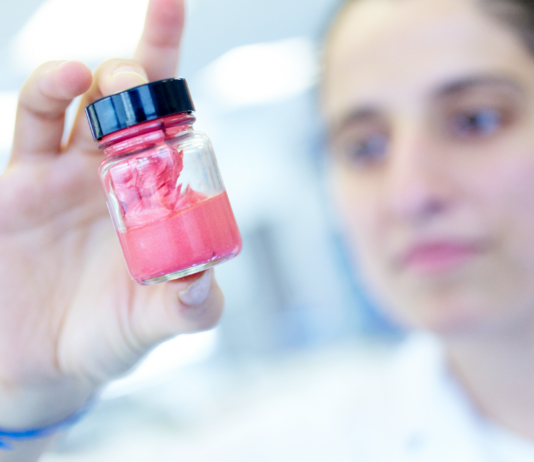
(517,14)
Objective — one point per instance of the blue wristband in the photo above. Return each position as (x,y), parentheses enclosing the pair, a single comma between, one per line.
(43,432)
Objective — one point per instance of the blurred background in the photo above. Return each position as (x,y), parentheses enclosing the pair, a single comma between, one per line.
(293,307)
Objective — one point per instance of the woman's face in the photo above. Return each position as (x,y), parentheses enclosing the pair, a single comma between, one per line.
(430,106)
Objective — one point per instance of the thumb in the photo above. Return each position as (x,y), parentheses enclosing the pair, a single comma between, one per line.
(187,305)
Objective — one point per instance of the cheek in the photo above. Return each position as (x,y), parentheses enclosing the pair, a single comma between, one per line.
(358,204)
(505,192)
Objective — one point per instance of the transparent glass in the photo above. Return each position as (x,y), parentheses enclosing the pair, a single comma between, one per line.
(167,200)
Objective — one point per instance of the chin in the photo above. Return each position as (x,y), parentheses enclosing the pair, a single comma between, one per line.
(445,316)
(453,323)
(467,303)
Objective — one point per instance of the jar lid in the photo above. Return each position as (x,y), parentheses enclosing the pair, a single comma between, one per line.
(137,105)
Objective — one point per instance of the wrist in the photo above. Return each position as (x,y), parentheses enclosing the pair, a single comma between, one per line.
(25,451)
(36,406)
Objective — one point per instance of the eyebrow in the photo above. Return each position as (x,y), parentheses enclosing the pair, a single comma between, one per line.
(363,114)
(457,87)
(463,85)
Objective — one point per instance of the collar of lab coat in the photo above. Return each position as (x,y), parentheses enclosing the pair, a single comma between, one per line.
(430,418)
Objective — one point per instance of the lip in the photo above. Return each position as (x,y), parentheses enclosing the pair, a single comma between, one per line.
(439,256)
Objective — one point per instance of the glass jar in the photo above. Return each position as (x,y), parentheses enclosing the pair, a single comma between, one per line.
(163,187)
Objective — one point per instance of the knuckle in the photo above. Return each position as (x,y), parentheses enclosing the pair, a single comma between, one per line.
(112,65)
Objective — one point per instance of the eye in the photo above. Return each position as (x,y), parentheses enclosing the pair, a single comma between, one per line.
(368,150)
(479,123)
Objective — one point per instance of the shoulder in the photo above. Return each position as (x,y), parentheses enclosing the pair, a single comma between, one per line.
(354,403)
(312,407)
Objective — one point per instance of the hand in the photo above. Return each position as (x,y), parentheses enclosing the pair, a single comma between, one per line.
(70,316)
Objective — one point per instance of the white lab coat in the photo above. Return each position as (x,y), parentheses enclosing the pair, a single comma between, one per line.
(408,410)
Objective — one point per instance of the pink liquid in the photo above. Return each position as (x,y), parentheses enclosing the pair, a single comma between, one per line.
(203,233)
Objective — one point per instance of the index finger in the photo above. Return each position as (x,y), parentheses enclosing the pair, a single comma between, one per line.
(159,46)
(157,53)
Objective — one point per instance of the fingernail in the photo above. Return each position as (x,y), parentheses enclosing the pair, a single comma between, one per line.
(197,292)
(129,70)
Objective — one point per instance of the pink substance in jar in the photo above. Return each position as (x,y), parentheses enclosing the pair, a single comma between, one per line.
(166,228)
(148,189)
(203,233)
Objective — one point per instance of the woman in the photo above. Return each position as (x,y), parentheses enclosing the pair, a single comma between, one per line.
(430,107)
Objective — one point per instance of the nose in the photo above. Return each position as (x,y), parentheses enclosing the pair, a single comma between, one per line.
(418,185)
